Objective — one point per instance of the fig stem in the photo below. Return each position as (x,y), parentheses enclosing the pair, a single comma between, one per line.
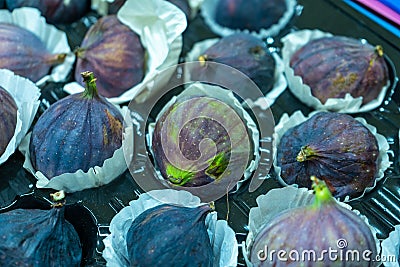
(58,196)
(305,154)
(322,193)
(58,199)
(80,52)
(56,59)
(379,50)
(203,59)
(91,88)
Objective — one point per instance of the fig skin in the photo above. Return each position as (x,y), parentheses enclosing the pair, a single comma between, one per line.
(8,119)
(114,52)
(334,66)
(185,140)
(243,52)
(325,225)
(252,15)
(55,11)
(168,235)
(41,237)
(22,52)
(77,132)
(334,146)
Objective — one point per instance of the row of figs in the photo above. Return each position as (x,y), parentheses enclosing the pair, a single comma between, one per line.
(79,133)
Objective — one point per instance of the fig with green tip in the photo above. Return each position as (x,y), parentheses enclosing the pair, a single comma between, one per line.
(169,235)
(330,235)
(115,53)
(8,119)
(197,138)
(22,52)
(77,132)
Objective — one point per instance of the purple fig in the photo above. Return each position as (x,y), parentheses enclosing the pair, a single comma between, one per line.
(330,235)
(179,151)
(335,66)
(77,132)
(24,53)
(8,119)
(41,237)
(252,15)
(168,235)
(55,11)
(114,52)
(334,146)
(243,52)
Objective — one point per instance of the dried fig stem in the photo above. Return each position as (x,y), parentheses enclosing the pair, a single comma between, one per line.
(305,154)
(58,198)
(90,81)
(379,50)
(56,59)
(80,52)
(203,60)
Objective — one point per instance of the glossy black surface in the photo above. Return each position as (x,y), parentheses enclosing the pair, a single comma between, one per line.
(381,206)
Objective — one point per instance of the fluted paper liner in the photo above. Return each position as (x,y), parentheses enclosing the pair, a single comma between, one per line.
(101,6)
(208,10)
(277,201)
(222,237)
(80,180)
(278,87)
(26,96)
(227,97)
(159,25)
(55,40)
(286,122)
(390,249)
(293,42)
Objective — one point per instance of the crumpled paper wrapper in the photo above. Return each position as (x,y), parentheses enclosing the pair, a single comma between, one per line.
(208,10)
(26,96)
(101,6)
(159,25)
(222,237)
(277,201)
(390,249)
(80,180)
(228,98)
(293,42)
(297,118)
(279,86)
(55,40)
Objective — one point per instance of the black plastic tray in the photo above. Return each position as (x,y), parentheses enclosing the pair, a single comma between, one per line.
(381,206)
